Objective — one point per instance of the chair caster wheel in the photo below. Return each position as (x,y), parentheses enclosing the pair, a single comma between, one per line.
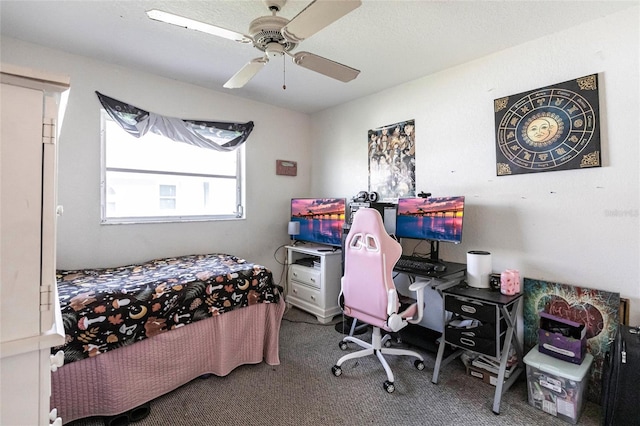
(387,344)
(343,345)
(389,386)
(337,371)
(419,365)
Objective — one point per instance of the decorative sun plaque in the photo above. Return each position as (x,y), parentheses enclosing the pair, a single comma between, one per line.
(552,128)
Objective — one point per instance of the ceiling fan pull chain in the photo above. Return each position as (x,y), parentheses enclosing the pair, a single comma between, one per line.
(284,73)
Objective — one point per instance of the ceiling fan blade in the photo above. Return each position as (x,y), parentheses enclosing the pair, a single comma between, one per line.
(317,15)
(246,73)
(181,21)
(325,66)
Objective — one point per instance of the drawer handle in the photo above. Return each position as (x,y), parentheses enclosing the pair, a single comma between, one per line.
(295,274)
(313,280)
(295,290)
(313,298)
(468,309)
(467,342)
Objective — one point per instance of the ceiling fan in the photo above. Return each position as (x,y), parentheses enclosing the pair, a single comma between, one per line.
(277,36)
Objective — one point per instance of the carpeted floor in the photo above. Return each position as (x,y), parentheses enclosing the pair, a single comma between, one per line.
(303,391)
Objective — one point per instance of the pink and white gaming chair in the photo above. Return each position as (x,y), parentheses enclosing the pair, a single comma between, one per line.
(370,294)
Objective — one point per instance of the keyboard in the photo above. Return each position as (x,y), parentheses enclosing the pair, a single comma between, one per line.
(413,264)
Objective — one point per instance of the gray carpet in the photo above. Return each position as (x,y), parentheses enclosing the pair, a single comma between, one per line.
(303,391)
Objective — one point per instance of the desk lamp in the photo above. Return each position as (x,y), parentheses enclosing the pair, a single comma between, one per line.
(294,229)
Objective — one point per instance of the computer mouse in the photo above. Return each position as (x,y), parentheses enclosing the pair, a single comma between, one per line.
(439,267)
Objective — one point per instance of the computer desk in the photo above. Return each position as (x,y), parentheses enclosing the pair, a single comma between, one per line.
(451,284)
(421,335)
(443,279)
(491,307)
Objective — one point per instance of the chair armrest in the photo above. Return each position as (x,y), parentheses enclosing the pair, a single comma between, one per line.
(418,285)
(392,302)
(418,288)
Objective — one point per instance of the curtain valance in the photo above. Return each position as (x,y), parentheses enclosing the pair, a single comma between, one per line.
(217,135)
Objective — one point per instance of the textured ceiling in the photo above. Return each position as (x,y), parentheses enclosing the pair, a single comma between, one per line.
(391,42)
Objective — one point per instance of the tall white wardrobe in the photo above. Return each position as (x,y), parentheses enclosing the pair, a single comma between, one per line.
(30,320)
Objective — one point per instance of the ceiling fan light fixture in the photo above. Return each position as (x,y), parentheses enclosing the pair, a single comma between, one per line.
(274,50)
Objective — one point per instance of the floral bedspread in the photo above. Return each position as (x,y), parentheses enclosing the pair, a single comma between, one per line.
(104,309)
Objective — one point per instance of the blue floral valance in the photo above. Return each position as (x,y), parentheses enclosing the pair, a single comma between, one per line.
(217,135)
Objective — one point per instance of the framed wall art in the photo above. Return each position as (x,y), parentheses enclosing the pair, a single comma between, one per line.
(392,160)
(547,129)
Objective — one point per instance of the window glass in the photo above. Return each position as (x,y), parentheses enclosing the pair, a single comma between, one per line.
(153,178)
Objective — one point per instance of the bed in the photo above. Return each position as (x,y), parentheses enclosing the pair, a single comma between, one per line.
(136,332)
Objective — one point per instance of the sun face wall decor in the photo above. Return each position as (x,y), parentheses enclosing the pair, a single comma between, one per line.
(552,128)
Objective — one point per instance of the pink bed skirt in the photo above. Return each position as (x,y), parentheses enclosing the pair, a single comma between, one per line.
(122,379)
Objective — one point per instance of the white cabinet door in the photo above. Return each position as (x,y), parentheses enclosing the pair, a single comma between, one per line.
(30,321)
(21,211)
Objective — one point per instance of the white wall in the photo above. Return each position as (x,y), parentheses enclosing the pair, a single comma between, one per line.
(578,227)
(83,242)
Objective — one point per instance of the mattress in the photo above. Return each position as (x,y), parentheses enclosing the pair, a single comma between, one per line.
(110,308)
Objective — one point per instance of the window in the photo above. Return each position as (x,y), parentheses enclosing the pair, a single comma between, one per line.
(155,179)
(168,197)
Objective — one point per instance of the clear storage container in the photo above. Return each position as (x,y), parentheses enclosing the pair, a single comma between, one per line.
(557,387)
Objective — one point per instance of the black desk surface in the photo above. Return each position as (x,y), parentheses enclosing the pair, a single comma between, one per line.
(452,268)
(482,294)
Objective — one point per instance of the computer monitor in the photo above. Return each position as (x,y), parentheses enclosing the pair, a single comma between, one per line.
(321,219)
(386,210)
(435,219)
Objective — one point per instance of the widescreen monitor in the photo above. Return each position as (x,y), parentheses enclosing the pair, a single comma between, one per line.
(434,219)
(321,219)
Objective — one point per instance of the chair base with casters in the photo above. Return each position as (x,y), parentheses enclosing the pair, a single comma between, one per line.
(379,346)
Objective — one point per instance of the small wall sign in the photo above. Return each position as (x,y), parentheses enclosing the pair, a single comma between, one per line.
(286,168)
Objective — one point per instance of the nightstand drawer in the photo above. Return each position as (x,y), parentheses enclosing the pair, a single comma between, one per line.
(484,312)
(302,292)
(305,275)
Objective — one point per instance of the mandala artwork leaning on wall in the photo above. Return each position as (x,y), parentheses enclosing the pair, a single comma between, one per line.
(598,310)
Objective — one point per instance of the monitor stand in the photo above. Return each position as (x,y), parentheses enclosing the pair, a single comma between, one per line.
(434,253)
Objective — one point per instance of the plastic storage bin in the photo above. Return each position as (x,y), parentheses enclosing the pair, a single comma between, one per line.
(557,387)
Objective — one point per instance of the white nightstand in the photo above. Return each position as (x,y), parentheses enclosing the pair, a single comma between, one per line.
(313,280)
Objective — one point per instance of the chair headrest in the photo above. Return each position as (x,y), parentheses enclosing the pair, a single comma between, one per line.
(368,228)
(368,220)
